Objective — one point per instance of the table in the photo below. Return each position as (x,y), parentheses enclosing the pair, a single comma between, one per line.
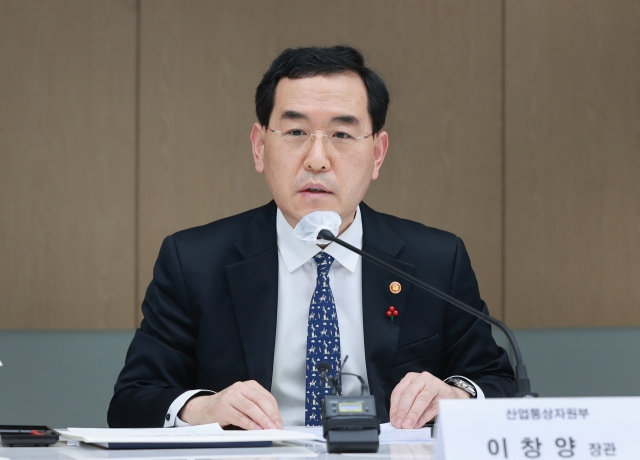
(299,450)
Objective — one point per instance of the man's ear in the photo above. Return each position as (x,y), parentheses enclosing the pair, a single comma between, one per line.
(380,146)
(258,133)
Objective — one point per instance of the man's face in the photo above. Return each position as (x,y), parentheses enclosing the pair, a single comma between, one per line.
(316,176)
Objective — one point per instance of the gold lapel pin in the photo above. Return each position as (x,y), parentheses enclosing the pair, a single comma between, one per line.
(395,287)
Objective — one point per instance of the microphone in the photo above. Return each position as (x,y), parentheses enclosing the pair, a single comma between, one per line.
(325,233)
(323,370)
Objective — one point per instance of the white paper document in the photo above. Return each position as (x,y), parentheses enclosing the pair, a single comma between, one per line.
(211,433)
(388,434)
(89,452)
(392,435)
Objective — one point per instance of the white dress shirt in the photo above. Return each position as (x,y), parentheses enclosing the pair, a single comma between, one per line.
(297,273)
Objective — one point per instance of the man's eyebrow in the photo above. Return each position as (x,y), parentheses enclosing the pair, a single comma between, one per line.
(347,119)
(293,115)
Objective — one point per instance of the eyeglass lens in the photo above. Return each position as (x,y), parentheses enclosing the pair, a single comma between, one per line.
(341,139)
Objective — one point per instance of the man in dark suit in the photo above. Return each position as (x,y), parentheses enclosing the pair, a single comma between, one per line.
(233,310)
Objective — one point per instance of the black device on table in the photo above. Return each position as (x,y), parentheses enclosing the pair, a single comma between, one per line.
(349,423)
(27,436)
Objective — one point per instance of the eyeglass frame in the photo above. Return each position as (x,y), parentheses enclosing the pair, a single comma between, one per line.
(324,135)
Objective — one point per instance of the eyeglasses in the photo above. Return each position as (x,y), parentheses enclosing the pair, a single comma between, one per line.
(339,139)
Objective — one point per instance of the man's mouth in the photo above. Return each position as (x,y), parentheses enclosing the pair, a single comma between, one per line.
(314,188)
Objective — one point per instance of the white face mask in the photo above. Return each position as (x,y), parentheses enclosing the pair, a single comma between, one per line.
(310,225)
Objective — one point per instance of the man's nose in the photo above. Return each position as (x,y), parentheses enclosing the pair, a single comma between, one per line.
(317,158)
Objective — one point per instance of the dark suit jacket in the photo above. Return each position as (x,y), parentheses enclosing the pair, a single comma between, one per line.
(210,315)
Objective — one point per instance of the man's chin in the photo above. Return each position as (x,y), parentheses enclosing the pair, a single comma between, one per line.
(307,202)
(302,212)
(308,210)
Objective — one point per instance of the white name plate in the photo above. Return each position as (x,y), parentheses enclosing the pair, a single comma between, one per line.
(543,428)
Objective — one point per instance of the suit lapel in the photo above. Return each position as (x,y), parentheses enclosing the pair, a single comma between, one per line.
(380,333)
(253,283)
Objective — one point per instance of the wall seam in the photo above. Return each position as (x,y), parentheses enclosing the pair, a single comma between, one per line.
(504,164)
(136,263)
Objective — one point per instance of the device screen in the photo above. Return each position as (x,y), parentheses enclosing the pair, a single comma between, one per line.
(350,407)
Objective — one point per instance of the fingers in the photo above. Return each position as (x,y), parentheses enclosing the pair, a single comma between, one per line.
(414,401)
(259,405)
(244,404)
(429,414)
(396,395)
(241,420)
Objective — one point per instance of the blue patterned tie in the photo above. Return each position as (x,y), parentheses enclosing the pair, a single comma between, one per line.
(323,341)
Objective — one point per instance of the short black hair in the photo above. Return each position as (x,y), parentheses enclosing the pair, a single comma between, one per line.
(312,61)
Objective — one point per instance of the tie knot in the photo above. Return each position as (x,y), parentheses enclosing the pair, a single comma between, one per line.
(324,261)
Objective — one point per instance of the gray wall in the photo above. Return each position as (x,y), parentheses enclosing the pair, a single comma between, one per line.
(65,378)
(59,378)
(581,362)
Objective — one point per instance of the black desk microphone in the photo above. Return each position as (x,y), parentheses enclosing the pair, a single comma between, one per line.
(523,387)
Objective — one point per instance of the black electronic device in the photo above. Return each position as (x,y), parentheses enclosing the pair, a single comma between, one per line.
(27,436)
(349,423)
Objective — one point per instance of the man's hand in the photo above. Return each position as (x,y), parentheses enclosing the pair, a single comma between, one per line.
(244,404)
(414,400)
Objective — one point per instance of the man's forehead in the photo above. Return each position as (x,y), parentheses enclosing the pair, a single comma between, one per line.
(321,81)
(342,97)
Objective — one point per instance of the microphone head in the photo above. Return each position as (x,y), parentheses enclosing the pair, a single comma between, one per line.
(323,369)
(310,225)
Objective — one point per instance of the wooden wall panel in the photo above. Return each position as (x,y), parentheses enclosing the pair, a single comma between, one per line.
(67,164)
(201,62)
(572,163)
(68,142)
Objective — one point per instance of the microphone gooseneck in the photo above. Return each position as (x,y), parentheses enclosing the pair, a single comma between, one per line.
(334,381)
(523,387)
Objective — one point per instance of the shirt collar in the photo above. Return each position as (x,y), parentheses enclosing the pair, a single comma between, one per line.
(296,252)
